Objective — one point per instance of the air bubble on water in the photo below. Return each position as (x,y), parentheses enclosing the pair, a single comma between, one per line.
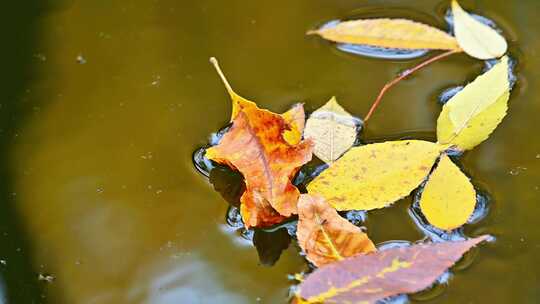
(393,244)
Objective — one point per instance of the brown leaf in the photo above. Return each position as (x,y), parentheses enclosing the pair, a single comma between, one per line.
(325,236)
(255,146)
(372,277)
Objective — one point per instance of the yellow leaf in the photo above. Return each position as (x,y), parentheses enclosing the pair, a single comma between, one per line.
(390,33)
(475,38)
(471,115)
(332,129)
(376,175)
(448,199)
(296,120)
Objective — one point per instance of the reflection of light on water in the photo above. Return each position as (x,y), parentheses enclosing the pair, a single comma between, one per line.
(3,299)
(188,280)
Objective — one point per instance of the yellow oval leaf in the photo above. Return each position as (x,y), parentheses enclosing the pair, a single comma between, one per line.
(390,33)
(332,129)
(448,199)
(469,117)
(374,176)
(475,38)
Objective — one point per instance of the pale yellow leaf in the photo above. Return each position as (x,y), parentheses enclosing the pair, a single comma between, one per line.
(376,175)
(390,33)
(471,115)
(449,198)
(475,38)
(332,129)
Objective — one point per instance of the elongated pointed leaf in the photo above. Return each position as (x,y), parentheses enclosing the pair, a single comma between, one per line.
(325,236)
(376,175)
(448,199)
(469,117)
(389,33)
(475,38)
(332,129)
(375,276)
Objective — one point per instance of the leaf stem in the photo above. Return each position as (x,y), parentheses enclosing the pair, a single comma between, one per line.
(215,63)
(402,76)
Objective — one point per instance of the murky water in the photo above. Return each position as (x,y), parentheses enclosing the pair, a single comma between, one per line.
(104,102)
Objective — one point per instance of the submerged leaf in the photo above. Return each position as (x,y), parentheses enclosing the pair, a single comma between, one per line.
(270,244)
(475,38)
(372,277)
(255,146)
(332,129)
(449,198)
(325,236)
(389,33)
(471,115)
(376,175)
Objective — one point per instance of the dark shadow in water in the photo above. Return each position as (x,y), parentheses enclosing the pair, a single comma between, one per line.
(19,58)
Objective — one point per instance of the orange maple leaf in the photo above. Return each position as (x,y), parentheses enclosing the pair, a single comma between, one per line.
(255,146)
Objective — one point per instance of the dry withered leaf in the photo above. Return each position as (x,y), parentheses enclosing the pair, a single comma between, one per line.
(332,129)
(294,118)
(389,33)
(325,236)
(255,146)
(375,276)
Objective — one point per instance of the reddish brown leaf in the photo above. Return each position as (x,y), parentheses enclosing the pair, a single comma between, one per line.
(256,147)
(325,236)
(372,277)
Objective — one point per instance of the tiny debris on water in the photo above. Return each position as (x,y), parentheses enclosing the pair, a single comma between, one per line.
(46,278)
(80,59)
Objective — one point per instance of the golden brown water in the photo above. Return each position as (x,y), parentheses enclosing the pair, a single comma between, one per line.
(99,187)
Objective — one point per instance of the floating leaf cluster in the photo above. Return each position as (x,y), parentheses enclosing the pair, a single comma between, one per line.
(269,149)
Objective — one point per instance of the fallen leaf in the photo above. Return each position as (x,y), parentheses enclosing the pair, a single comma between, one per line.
(449,198)
(255,146)
(372,277)
(325,236)
(469,117)
(389,33)
(475,38)
(238,102)
(295,117)
(376,175)
(332,129)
